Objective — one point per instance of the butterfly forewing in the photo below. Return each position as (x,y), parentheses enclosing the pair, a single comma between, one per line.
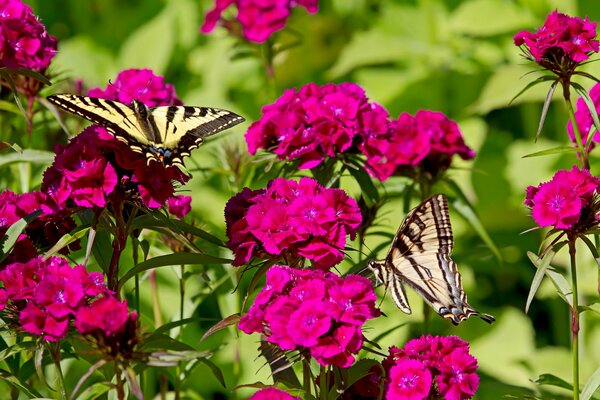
(420,258)
(165,134)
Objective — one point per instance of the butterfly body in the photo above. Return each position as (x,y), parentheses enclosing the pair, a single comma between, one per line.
(420,258)
(165,134)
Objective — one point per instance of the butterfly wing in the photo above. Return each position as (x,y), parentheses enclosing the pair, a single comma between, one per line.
(184,128)
(420,258)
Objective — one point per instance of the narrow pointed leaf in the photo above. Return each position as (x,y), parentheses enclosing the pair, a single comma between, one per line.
(224,323)
(64,241)
(539,80)
(14,231)
(545,108)
(554,150)
(541,266)
(215,370)
(23,388)
(552,380)
(27,155)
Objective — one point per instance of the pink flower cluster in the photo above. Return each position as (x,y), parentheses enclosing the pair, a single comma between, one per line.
(95,167)
(108,324)
(24,42)
(562,202)
(291,219)
(561,36)
(44,295)
(259,19)
(272,393)
(324,121)
(431,365)
(141,85)
(428,138)
(42,232)
(583,118)
(313,310)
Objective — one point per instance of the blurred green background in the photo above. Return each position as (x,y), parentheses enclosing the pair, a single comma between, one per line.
(446,55)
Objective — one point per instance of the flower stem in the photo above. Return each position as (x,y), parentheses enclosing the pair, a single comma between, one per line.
(323,384)
(574,321)
(54,350)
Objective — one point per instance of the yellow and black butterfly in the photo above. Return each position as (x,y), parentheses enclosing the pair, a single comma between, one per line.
(420,258)
(165,134)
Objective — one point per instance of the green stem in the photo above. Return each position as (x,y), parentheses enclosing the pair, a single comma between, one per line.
(54,350)
(323,383)
(583,151)
(574,321)
(306,377)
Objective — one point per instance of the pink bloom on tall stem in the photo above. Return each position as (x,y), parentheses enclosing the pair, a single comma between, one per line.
(291,219)
(313,310)
(259,19)
(563,201)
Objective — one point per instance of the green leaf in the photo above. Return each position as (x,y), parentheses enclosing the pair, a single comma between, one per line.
(542,266)
(595,307)
(159,220)
(465,208)
(14,231)
(559,281)
(547,102)
(224,323)
(215,370)
(589,103)
(552,380)
(95,390)
(172,260)
(365,183)
(164,342)
(64,241)
(554,150)
(172,358)
(591,386)
(9,107)
(14,381)
(531,84)
(29,155)
(279,364)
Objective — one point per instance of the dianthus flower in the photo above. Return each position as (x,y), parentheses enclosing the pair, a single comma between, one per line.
(42,296)
(583,118)
(561,43)
(313,310)
(108,323)
(94,166)
(42,232)
(291,219)
(428,140)
(446,361)
(259,19)
(180,206)
(565,201)
(24,42)
(272,393)
(316,122)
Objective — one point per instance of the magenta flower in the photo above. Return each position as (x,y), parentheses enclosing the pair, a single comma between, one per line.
(139,84)
(107,315)
(316,122)
(444,360)
(291,219)
(408,380)
(42,232)
(179,206)
(46,294)
(561,43)
(565,200)
(259,19)
(24,42)
(584,119)
(313,310)
(94,168)
(272,393)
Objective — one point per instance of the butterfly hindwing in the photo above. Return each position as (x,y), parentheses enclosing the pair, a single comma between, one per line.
(165,134)
(420,257)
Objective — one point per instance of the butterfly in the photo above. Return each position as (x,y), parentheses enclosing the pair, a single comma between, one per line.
(420,258)
(165,134)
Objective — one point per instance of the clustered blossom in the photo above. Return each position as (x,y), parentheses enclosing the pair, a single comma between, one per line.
(108,322)
(179,206)
(583,118)
(42,232)
(314,311)
(431,365)
(316,122)
(561,43)
(43,296)
(259,19)
(95,168)
(24,42)
(291,219)
(564,201)
(272,393)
